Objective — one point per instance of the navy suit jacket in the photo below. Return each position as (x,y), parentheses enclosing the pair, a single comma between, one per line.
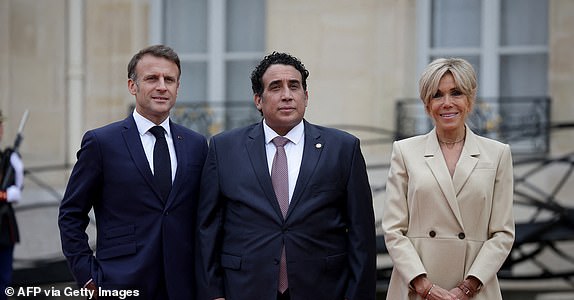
(328,232)
(139,238)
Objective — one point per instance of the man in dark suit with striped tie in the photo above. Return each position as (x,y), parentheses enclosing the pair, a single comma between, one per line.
(286,209)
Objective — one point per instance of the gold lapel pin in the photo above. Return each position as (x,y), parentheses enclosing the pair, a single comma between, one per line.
(318,145)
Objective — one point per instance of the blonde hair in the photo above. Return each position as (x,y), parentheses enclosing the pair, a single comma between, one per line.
(462,72)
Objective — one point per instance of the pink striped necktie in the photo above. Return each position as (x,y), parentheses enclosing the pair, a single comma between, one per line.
(280,180)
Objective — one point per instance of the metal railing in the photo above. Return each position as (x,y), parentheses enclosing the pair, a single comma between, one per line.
(522,122)
(210,118)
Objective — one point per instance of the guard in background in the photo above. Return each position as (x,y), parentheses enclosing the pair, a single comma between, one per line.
(11,179)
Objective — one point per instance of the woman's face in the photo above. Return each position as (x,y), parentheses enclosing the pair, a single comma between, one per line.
(448,107)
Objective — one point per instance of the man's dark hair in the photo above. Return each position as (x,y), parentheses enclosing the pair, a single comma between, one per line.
(157,51)
(276,58)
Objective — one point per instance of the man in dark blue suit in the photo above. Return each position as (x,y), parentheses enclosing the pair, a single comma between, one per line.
(145,226)
(318,242)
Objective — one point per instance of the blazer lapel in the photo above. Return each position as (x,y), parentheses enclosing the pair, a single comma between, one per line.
(134,145)
(467,161)
(255,145)
(435,160)
(313,148)
(182,154)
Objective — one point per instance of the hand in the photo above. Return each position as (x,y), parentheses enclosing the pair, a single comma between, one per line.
(468,288)
(92,287)
(438,293)
(421,284)
(13,194)
(458,292)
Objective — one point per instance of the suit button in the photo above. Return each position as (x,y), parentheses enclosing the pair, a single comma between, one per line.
(275,261)
(461,236)
(432,233)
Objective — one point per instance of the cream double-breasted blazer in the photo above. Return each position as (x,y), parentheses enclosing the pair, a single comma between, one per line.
(448,227)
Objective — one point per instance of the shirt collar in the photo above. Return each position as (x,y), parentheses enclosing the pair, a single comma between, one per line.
(144,124)
(295,135)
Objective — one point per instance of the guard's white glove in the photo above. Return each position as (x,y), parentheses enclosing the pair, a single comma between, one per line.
(14,192)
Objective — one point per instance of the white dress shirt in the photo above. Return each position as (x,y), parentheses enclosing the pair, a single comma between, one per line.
(148,140)
(293,150)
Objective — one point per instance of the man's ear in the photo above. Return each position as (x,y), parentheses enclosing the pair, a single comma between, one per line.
(257,100)
(132,86)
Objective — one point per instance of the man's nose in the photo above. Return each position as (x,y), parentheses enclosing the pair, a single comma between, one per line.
(161,84)
(287,94)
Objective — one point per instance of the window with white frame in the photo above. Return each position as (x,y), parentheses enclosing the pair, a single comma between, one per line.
(505,40)
(219,43)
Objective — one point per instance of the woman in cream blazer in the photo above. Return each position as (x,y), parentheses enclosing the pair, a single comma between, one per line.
(447,218)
